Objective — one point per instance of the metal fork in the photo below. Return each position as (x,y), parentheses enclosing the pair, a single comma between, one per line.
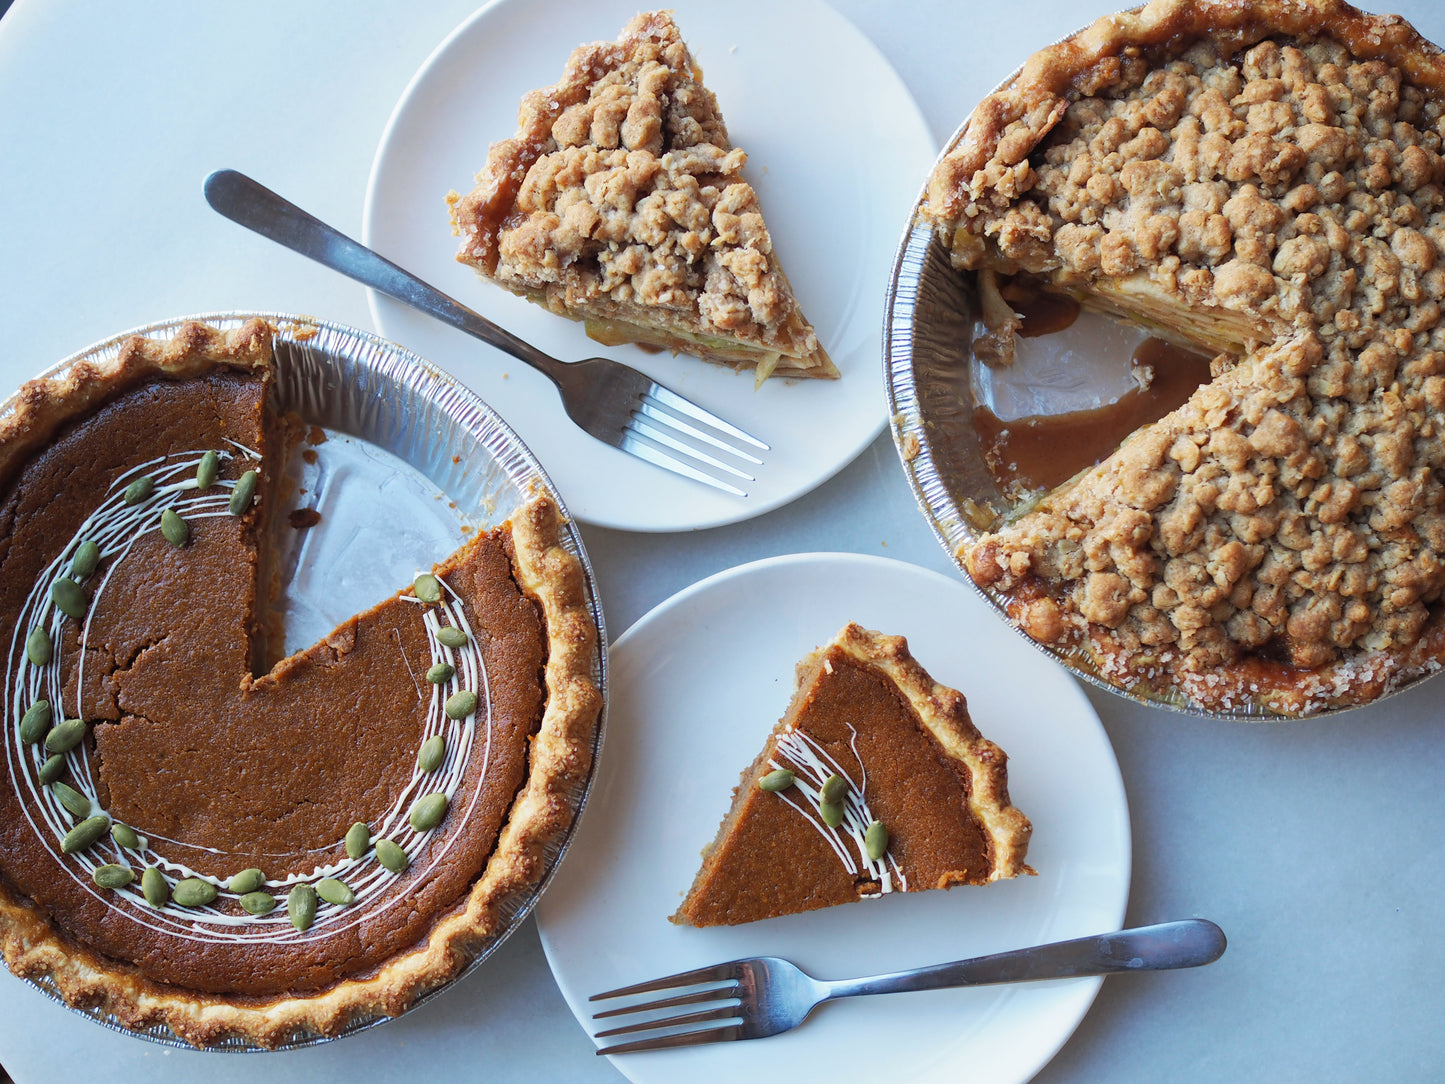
(614,403)
(768,995)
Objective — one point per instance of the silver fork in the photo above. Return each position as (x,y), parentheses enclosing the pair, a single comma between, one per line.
(613,402)
(768,995)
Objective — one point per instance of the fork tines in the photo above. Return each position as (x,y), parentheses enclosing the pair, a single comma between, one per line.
(664,426)
(721,985)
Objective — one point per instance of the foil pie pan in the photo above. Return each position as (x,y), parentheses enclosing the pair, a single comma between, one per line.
(443,463)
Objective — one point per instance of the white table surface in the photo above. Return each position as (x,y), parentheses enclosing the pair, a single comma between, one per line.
(1318,846)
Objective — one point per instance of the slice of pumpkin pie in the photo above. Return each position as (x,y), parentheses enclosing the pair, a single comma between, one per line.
(875,781)
(621,202)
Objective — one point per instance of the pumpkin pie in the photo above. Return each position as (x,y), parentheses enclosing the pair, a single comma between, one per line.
(621,202)
(190,837)
(875,781)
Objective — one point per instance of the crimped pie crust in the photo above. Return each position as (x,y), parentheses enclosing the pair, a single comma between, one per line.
(1263,178)
(559,758)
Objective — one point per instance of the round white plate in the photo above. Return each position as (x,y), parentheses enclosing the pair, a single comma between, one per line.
(697,685)
(836,146)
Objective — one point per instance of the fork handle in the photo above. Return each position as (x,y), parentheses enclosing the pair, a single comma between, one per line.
(1188,943)
(253,205)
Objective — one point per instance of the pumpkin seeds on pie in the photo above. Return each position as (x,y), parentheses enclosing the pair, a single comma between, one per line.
(358,839)
(258,903)
(391,856)
(87,557)
(427,588)
(451,636)
(84,834)
(139,490)
(460,704)
(176,530)
(248,880)
(37,646)
(441,673)
(75,803)
(154,887)
(112,876)
(333,891)
(433,752)
(876,840)
(835,787)
(243,494)
(124,836)
(774,781)
(35,723)
(51,769)
(68,597)
(65,737)
(301,906)
(428,812)
(193,892)
(831,813)
(207,470)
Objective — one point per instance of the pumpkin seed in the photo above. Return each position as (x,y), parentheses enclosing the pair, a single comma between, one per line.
(460,704)
(207,470)
(391,856)
(176,530)
(112,876)
(84,834)
(125,836)
(441,673)
(778,780)
(37,646)
(427,588)
(139,490)
(831,813)
(333,891)
(65,737)
(834,788)
(433,752)
(87,557)
(68,597)
(75,803)
(876,840)
(358,839)
(51,769)
(193,892)
(258,903)
(243,494)
(428,812)
(301,906)
(451,636)
(35,722)
(154,887)
(248,880)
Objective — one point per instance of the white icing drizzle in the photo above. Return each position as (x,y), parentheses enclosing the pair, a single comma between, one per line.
(811,766)
(115,527)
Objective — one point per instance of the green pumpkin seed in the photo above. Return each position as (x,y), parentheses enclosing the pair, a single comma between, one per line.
(243,494)
(391,856)
(258,903)
(441,673)
(333,891)
(112,876)
(460,704)
(75,803)
(778,780)
(193,892)
(35,723)
(248,880)
(84,834)
(140,489)
(876,840)
(176,530)
(37,646)
(358,839)
(87,557)
(65,737)
(427,588)
(428,812)
(125,836)
(433,752)
(154,887)
(831,813)
(451,636)
(301,906)
(68,597)
(207,470)
(51,769)
(834,788)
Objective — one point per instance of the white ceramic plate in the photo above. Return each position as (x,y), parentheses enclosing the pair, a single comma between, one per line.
(697,685)
(836,146)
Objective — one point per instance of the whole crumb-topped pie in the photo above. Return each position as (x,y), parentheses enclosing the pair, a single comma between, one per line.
(1262,178)
(621,202)
(875,781)
(192,836)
